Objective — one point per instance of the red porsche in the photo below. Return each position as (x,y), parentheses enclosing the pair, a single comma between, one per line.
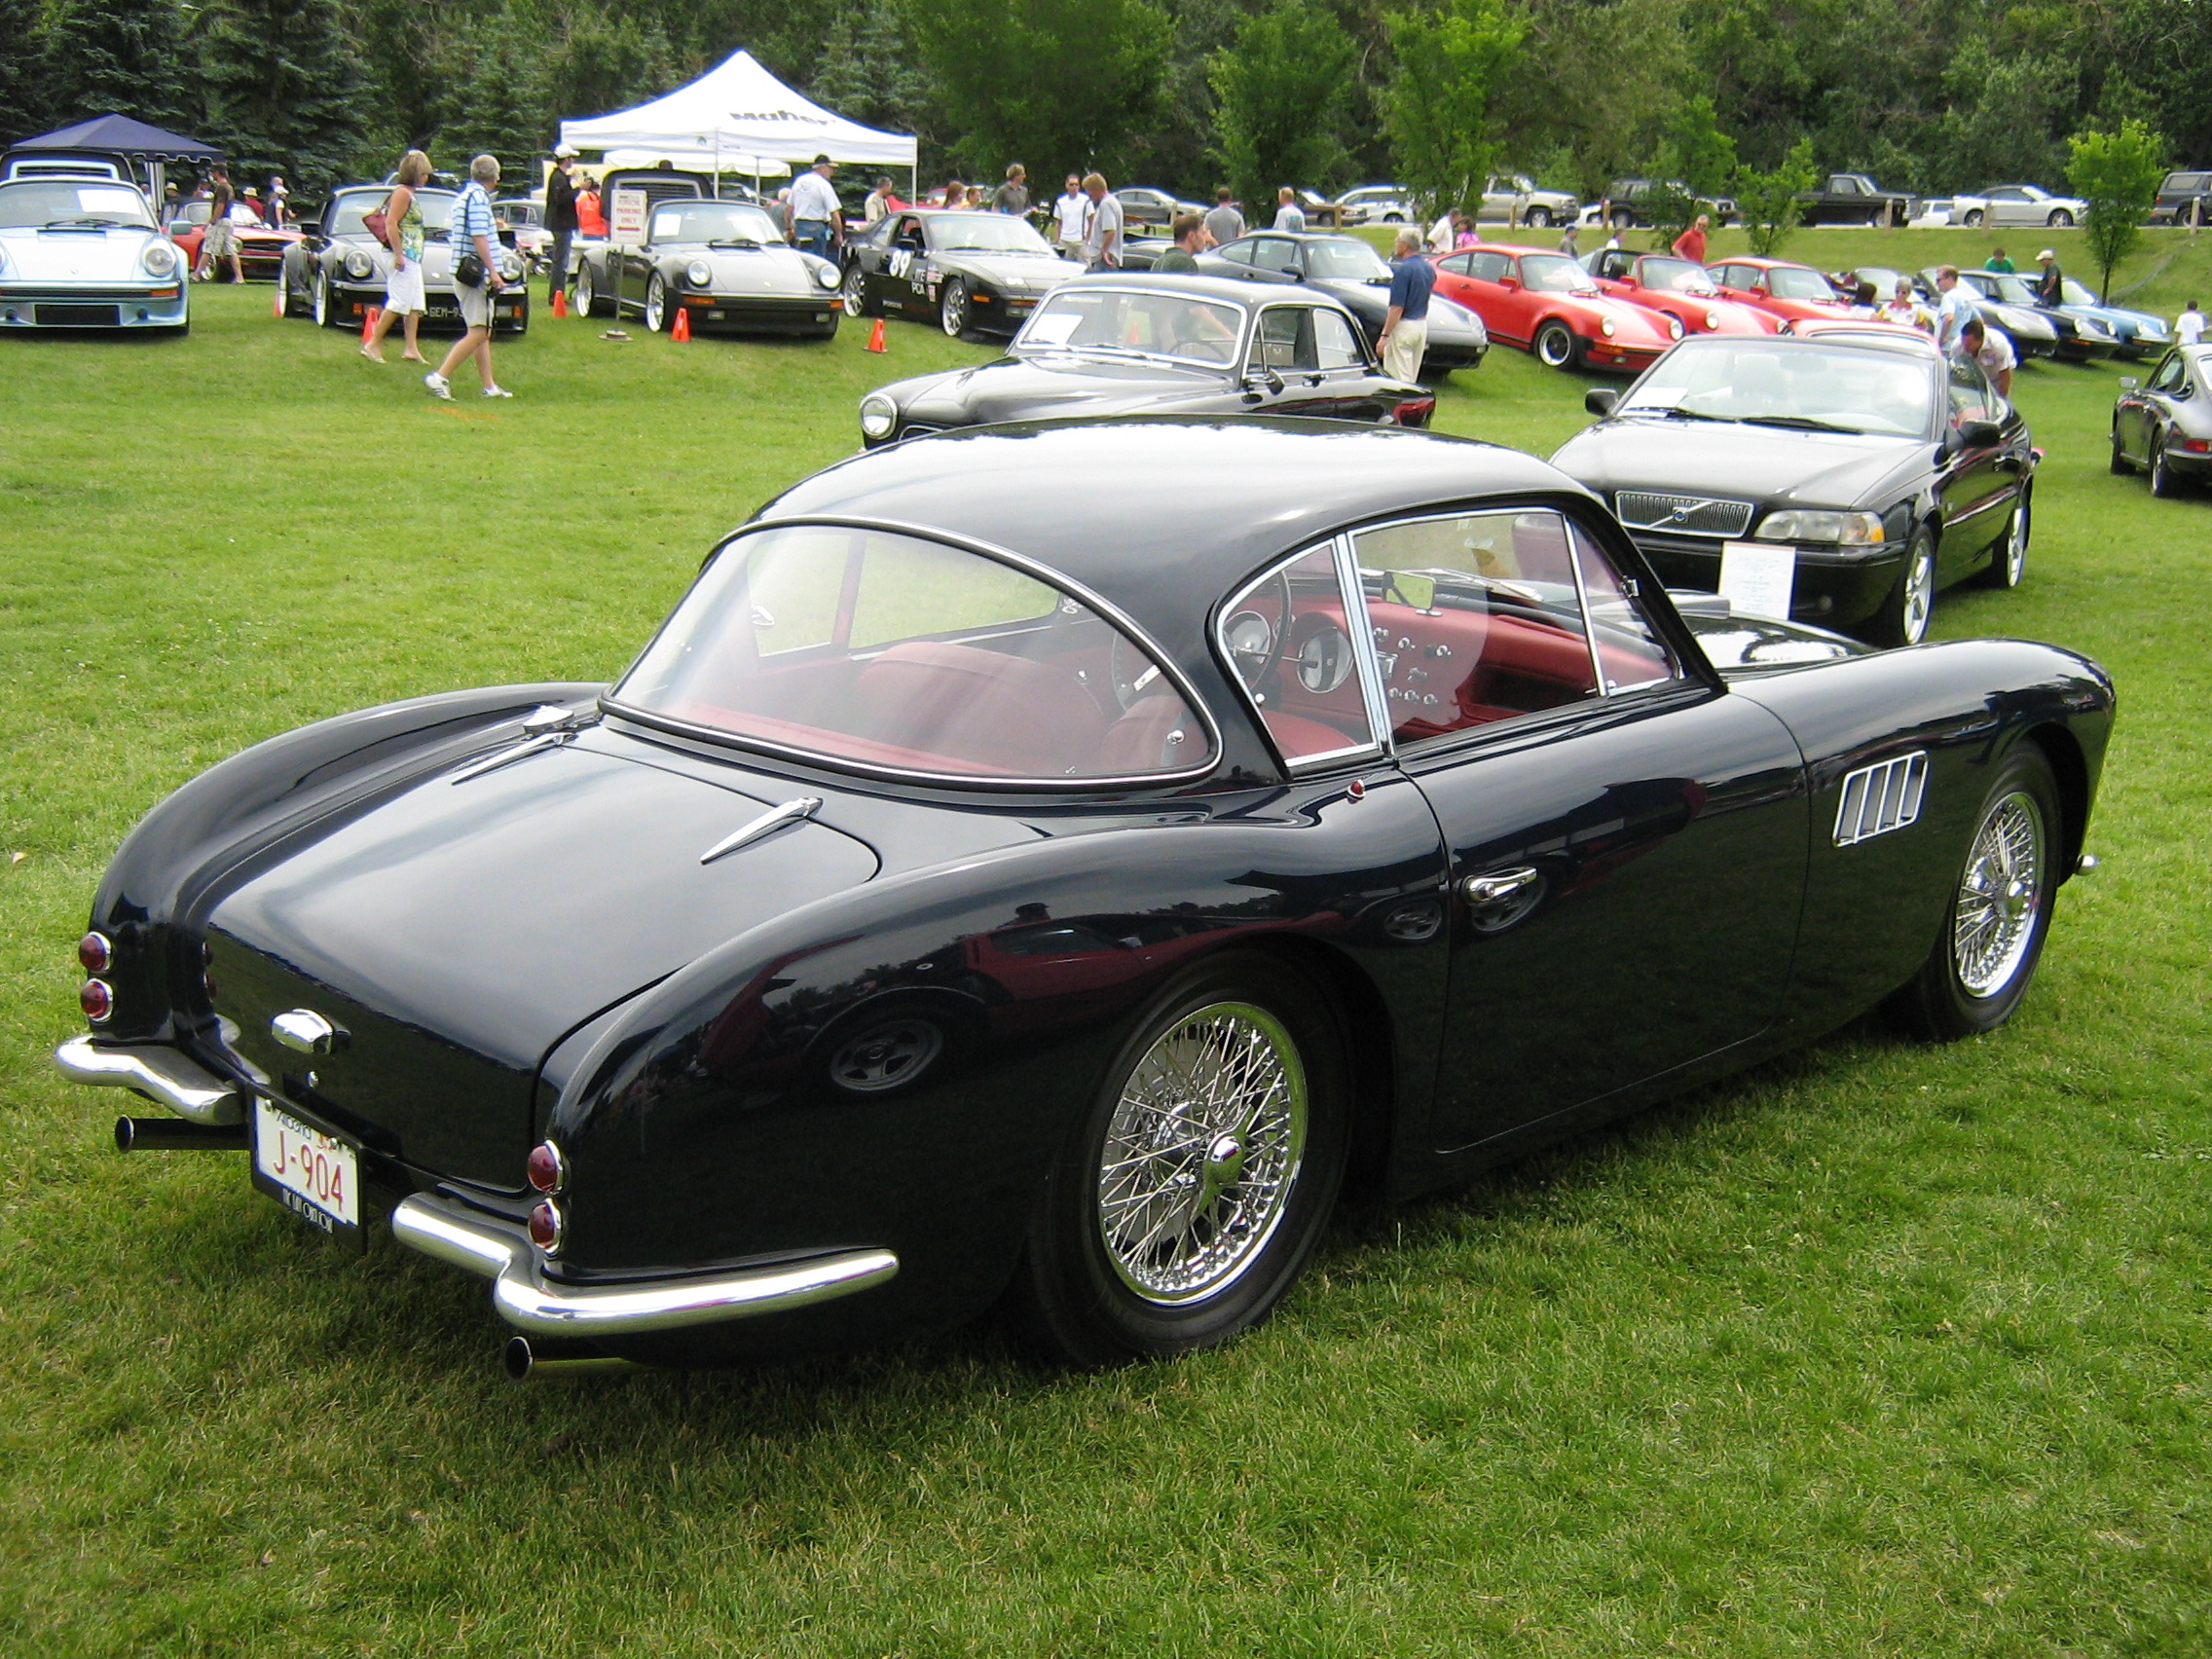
(1546,304)
(1680,288)
(1785,291)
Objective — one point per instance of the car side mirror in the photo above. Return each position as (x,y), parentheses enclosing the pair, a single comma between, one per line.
(2128,383)
(1296,273)
(1979,435)
(1262,378)
(1509,284)
(1600,400)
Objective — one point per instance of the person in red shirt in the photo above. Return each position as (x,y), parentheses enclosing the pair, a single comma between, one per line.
(1690,244)
(590,220)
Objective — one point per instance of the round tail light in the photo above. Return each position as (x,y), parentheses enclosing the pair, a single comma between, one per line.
(548,1169)
(546,1227)
(95,952)
(96,998)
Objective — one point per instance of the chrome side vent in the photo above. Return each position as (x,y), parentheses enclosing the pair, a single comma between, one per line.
(1877,800)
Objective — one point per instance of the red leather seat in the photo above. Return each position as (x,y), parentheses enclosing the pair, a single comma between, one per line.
(1001,712)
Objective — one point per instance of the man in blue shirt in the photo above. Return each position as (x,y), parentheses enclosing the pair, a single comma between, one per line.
(1405,327)
(471,229)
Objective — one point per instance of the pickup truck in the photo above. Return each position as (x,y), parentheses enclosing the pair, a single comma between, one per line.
(1854,199)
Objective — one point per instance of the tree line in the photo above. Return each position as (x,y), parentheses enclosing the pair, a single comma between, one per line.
(1936,95)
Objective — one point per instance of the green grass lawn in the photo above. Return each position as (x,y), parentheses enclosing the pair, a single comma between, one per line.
(1881,1351)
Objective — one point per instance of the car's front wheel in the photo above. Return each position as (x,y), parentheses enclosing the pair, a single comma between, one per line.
(324,308)
(1904,615)
(1554,346)
(853,294)
(2121,465)
(2008,565)
(588,292)
(657,304)
(952,308)
(1537,218)
(1994,926)
(1193,1191)
(2060,219)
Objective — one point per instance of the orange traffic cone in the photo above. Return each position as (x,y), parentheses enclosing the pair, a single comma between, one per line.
(559,301)
(875,337)
(369,323)
(682,329)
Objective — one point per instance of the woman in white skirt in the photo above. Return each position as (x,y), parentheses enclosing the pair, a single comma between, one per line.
(403,283)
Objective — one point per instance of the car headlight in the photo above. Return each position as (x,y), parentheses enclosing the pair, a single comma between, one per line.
(1605,326)
(699,274)
(1713,319)
(827,276)
(510,268)
(159,259)
(1673,327)
(880,416)
(357,264)
(1850,530)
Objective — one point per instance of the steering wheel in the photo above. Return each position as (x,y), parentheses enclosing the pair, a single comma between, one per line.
(1257,668)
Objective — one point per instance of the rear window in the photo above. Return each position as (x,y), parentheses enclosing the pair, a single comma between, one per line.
(892,653)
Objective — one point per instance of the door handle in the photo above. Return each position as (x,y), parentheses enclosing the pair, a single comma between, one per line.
(1499,885)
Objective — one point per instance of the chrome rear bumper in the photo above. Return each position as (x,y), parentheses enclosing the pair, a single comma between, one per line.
(161,1074)
(531,1303)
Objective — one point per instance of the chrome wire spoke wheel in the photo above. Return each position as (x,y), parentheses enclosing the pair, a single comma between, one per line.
(1201,1153)
(2001,896)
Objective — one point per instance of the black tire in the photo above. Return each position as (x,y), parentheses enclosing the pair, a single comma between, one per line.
(1973,219)
(1537,218)
(1911,606)
(2009,559)
(1999,913)
(657,314)
(587,293)
(2060,219)
(953,308)
(1556,346)
(2122,466)
(1094,1300)
(852,294)
(1624,219)
(2163,480)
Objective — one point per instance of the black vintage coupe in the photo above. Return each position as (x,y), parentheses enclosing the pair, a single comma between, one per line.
(1109,345)
(963,271)
(967,899)
(337,271)
(1348,269)
(724,264)
(2163,424)
(1880,469)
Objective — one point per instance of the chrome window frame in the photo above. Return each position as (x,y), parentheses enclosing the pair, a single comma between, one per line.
(1377,746)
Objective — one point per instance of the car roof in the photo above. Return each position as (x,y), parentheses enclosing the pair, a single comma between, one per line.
(1195,284)
(1219,497)
(1864,331)
(1762,263)
(1299,236)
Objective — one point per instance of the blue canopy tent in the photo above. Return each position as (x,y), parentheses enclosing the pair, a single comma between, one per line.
(147,147)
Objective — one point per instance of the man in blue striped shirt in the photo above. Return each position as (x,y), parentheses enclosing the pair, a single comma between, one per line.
(473,231)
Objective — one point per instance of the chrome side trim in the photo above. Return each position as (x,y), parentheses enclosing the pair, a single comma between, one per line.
(161,1073)
(526,1300)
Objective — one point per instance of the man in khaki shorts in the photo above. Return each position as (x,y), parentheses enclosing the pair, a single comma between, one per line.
(1404,326)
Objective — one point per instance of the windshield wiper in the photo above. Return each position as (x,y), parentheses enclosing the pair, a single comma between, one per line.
(1678,413)
(87,224)
(1799,424)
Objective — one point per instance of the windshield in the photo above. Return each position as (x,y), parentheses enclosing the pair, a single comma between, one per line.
(1556,273)
(2077,295)
(1344,260)
(1680,275)
(1797,283)
(891,653)
(54,201)
(1839,389)
(713,221)
(1117,321)
(985,233)
(2013,290)
(435,205)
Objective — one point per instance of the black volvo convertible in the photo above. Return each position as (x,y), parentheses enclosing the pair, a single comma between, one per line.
(1875,469)
(964,900)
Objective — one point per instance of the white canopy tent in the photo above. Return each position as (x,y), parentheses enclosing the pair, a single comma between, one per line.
(734,114)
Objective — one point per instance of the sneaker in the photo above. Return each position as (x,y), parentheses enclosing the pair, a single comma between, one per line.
(436,382)
(497,391)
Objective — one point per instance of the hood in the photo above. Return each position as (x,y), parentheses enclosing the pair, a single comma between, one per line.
(766,270)
(1757,463)
(1035,387)
(81,255)
(1015,273)
(458,929)
(2018,321)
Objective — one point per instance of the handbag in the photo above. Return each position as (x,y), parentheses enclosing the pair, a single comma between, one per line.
(379,224)
(469,270)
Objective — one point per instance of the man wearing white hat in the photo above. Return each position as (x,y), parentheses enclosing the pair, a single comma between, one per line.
(561,214)
(2051,287)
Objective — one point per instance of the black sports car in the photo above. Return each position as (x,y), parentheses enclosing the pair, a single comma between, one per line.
(969,895)
(1348,269)
(2164,425)
(1859,471)
(964,269)
(1111,345)
(338,270)
(723,263)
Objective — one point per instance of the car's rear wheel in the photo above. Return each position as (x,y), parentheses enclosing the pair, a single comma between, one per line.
(2164,479)
(2008,565)
(853,294)
(1994,926)
(1906,613)
(1194,1189)
(1554,346)
(953,307)
(1972,220)
(1623,219)
(657,304)
(2059,219)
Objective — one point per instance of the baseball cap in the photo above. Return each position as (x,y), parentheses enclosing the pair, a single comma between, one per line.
(564,151)
(2046,254)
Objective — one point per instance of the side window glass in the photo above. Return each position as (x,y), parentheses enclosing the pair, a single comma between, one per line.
(1970,396)
(1284,340)
(1488,267)
(1460,264)
(1286,636)
(1333,346)
(1237,253)
(2168,376)
(1278,254)
(1477,618)
(1630,650)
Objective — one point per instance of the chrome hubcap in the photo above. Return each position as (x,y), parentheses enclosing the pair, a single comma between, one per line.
(1999,895)
(1201,1154)
(653,309)
(2016,543)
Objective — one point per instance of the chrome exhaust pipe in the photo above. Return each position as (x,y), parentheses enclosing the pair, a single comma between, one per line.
(555,1358)
(177,1134)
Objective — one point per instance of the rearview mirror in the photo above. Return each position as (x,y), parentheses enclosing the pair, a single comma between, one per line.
(1405,588)
(1600,400)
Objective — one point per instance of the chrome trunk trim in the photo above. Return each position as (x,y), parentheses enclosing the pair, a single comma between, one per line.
(160,1073)
(523,1298)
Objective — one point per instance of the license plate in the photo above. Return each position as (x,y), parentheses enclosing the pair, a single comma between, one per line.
(442,313)
(309,1170)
